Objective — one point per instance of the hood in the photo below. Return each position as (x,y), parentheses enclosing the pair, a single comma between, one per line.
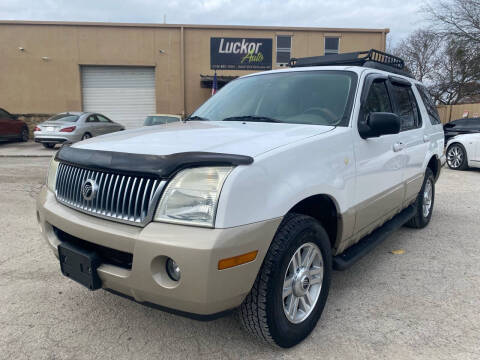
(241,138)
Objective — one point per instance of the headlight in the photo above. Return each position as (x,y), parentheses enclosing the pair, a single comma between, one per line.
(52,174)
(192,196)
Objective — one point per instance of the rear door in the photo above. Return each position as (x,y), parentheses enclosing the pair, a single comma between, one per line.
(107,125)
(93,126)
(379,190)
(7,125)
(413,138)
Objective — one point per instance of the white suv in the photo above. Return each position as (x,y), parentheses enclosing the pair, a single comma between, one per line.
(251,202)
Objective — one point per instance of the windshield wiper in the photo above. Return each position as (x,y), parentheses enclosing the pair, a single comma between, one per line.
(199,118)
(252,118)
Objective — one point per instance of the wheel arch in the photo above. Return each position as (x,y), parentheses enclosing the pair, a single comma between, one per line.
(325,209)
(435,165)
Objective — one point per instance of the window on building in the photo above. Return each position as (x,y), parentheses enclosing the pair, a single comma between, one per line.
(331,45)
(407,108)
(284,48)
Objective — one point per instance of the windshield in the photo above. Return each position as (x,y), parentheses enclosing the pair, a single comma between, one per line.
(157,120)
(297,97)
(64,118)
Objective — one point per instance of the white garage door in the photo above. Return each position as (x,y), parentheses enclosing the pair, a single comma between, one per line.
(124,94)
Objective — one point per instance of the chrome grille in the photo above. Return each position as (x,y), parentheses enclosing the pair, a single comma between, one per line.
(124,198)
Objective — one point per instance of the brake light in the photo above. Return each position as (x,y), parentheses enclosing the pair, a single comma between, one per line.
(68,129)
(37,129)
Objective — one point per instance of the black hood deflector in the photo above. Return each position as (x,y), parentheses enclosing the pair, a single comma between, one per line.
(162,166)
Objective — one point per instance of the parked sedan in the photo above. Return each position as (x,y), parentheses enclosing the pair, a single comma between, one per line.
(11,128)
(463,151)
(461,126)
(161,119)
(72,127)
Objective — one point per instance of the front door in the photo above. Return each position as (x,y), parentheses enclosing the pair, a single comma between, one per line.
(379,163)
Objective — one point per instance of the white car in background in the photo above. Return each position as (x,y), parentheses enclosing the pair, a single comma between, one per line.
(463,151)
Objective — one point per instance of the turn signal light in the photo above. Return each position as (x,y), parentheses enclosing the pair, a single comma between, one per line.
(68,129)
(237,260)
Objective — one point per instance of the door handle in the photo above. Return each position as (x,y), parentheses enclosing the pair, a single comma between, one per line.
(399,146)
(426,138)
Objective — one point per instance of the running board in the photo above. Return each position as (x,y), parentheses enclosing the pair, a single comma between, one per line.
(357,251)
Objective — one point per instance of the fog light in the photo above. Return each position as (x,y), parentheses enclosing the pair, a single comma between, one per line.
(173,270)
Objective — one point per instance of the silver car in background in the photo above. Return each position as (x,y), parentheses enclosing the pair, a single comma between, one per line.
(72,127)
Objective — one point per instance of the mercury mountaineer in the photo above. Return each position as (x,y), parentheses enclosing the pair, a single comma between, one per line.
(275,181)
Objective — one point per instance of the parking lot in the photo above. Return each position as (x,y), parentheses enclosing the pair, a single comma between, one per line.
(422,304)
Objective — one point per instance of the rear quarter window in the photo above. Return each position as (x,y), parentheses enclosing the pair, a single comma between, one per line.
(429,105)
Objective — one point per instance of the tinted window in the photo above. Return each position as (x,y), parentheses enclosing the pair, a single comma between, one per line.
(64,118)
(473,123)
(429,105)
(377,99)
(406,108)
(102,118)
(91,118)
(297,97)
(458,123)
(4,114)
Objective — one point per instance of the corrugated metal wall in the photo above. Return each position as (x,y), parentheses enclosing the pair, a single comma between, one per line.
(124,94)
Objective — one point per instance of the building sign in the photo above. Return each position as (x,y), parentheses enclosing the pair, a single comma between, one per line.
(240,54)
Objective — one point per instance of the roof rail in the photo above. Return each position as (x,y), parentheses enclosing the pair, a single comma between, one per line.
(370,58)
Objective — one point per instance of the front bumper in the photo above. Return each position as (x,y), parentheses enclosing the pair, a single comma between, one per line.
(202,289)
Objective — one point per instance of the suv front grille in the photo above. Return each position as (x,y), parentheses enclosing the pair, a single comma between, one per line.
(124,198)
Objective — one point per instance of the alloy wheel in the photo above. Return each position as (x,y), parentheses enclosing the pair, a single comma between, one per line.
(302,283)
(455,156)
(427,198)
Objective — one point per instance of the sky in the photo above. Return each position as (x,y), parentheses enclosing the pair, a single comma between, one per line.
(400,16)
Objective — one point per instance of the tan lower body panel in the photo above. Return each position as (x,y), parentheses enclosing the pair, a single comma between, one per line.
(202,289)
(374,212)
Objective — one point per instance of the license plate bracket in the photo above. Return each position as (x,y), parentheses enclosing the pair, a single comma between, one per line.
(80,265)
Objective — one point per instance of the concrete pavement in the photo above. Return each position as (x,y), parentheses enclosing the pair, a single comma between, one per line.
(423,304)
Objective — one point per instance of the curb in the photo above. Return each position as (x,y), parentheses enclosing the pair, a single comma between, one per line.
(25,156)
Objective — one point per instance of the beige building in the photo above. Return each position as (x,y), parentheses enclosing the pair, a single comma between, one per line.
(129,70)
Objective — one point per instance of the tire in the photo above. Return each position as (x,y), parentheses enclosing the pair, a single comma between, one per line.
(48,145)
(24,135)
(86,136)
(457,157)
(422,218)
(262,312)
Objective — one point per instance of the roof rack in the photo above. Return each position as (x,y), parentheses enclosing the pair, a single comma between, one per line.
(370,58)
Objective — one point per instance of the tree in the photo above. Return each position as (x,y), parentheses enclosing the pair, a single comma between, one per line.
(420,53)
(458,19)
(456,73)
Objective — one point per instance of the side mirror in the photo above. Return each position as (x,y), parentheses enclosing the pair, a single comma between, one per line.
(380,123)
